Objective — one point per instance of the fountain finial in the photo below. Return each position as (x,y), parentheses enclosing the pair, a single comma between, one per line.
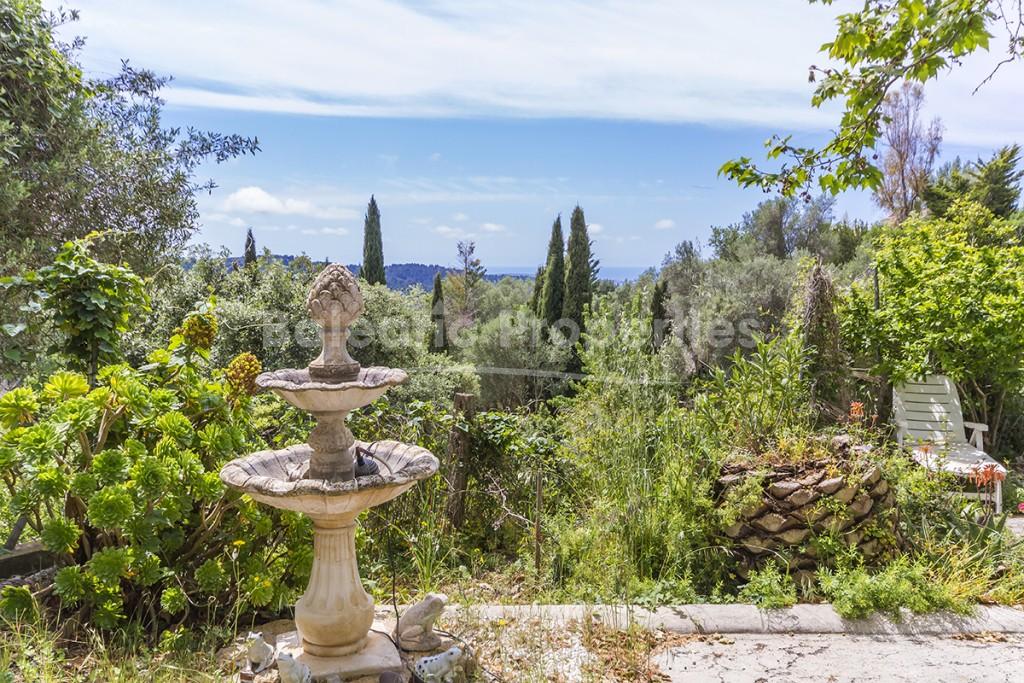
(334,303)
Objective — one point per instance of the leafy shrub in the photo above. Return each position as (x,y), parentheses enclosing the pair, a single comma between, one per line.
(516,363)
(769,588)
(855,593)
(952,301)
(121,481)
(89,302)
(761,397)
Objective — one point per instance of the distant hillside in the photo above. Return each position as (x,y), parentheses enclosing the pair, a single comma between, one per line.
(399,275)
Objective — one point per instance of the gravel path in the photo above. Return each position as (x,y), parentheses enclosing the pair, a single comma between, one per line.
(839,658)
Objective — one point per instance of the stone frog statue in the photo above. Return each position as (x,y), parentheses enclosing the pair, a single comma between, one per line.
(259,653)
(291,670)
(443,668)
(415,630)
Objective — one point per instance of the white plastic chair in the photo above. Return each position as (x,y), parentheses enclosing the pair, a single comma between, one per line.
(930,420)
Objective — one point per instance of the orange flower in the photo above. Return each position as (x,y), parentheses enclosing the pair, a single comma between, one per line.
(856,410)
(985,475)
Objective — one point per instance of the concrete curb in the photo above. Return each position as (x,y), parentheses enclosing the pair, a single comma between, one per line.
(808,619)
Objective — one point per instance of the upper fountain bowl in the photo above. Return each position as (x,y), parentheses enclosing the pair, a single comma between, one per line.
(305,393)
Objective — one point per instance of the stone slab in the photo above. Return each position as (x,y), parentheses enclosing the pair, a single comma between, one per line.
(379,655)
(25,559)
(740,619)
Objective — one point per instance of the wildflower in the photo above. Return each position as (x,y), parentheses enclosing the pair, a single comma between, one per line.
(1020,508)
(856,410)
(985,475)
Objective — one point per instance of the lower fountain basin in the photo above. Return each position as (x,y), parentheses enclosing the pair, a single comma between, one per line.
(276,478)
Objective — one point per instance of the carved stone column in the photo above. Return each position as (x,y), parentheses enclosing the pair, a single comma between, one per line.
(334,615)
(331,440)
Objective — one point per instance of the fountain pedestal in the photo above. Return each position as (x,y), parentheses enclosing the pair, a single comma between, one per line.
(334,616)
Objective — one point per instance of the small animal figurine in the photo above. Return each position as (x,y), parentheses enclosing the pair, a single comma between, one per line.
(292,671)
(259,653)
(415,630)
(443,668)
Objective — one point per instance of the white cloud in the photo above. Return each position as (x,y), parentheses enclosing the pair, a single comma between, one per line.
(738,62)
(436,156)
(595,228)
(460,217)
(255,199)
(665,224)
(233,221)
(492,227)
(450,232)
(338,232)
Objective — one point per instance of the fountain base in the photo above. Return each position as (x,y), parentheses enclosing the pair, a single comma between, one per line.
(378,656)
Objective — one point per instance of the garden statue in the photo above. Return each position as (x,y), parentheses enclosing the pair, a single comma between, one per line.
(415,629)
(331,479)
(259,653)
(292,671)
(443,668)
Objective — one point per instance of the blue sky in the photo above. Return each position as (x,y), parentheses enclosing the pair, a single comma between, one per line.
(485,120)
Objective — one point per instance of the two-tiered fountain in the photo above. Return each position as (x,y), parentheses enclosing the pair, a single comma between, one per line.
(332,479)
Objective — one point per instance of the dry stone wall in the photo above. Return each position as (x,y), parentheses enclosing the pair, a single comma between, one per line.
(801,511)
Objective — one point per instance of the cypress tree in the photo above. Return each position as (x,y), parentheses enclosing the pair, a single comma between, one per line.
(578,278)
(659,315)
(538,292)
(438,342)
(552,294)
(250,249)
(372,269)
(578,275)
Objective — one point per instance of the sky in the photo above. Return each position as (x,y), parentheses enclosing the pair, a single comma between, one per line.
(485,120)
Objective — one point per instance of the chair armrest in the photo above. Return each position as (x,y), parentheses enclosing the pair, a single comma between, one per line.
(900,425)
(977,429)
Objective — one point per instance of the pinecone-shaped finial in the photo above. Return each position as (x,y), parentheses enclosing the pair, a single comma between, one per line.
(335,299)
(334,303)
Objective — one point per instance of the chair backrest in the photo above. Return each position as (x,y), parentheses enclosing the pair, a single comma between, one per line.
(930,409)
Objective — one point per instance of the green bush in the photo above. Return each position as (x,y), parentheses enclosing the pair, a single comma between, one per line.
(951,301)
(769,588)
(121,481)
(517,364)
(856,593)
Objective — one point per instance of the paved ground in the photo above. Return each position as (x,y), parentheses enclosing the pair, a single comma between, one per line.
(1016,524)
(841,658)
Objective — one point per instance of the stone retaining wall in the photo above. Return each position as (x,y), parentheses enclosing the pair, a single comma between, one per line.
(799,504)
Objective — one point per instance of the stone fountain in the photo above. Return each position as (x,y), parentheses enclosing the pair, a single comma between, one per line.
(333,478)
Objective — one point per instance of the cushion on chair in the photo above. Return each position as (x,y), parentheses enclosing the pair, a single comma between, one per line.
(961,459)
